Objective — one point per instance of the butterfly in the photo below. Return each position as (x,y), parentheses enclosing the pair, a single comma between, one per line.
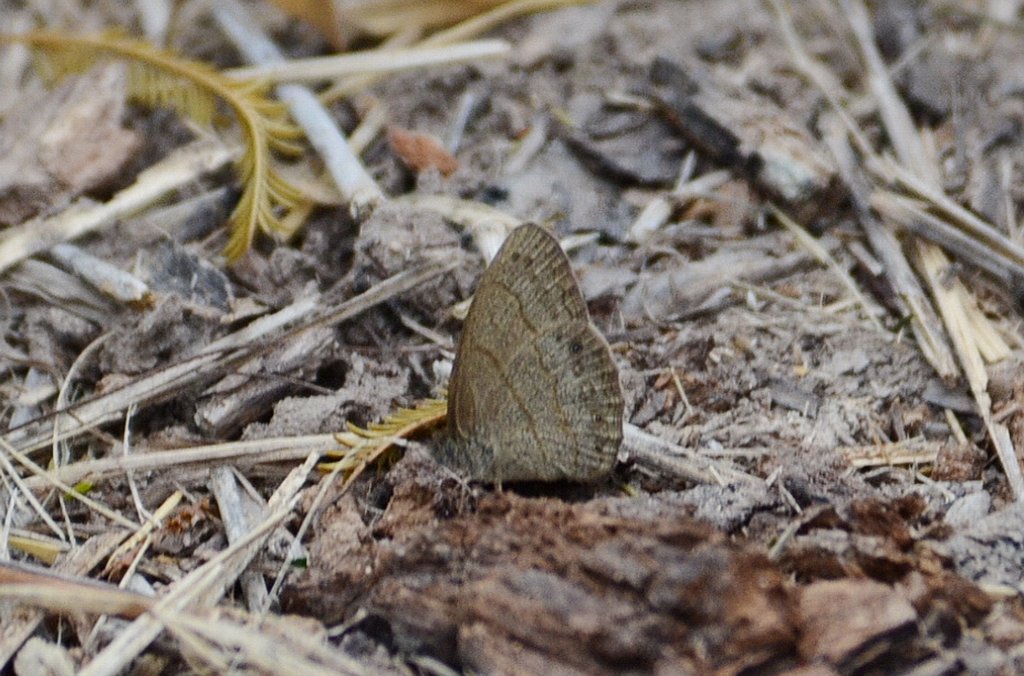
(534,393)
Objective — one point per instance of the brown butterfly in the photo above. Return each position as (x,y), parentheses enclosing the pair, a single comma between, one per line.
(534,393)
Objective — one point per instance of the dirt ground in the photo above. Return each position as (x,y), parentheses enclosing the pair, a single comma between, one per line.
(822,499)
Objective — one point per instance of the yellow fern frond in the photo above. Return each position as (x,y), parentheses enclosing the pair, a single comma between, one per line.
(160,78)
(365,445)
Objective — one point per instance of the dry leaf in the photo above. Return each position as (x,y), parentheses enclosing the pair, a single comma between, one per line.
(421,151)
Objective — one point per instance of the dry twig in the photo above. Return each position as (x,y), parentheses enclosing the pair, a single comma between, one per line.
(214,358)
(354,182)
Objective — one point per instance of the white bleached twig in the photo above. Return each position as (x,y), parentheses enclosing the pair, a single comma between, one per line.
(356,185)
(319,68)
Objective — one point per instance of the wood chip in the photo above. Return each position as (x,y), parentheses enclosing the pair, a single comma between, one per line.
(58,144)
(844,618)
(420,151)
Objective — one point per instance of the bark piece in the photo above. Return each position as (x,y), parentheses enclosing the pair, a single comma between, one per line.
(989,551)
(397,237)
(636,158)
(58,144)
(685,290)
(171,268)
(795,398)
(591,587)
(247,395)
(845,618)
(420,151)
(736,128)
(171,329)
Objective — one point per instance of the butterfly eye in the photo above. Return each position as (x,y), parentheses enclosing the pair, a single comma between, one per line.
(575,348)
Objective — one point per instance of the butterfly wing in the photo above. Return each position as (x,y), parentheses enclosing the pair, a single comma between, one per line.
(534,393)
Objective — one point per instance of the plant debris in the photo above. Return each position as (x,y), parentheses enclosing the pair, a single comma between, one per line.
(799,232)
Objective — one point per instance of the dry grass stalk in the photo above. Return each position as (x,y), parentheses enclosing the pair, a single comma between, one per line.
(352,84)
(252,452)
(971,333)
(467,30)
(37,507)
(239,512)
(914,216)
(488,21)
(40,548)
(65,488)
(66,594)
(955,215)
(145,530)
(386,17)
(233,642)
(170,174)
(122,286)
(333,67)
(218,638)
(657,212)
(214,358)
(924,322)
(965,327)
(826,259)
(668,459)
(907,452)
(370,126)
(204,586)
(22,621)
(57,287)
(311,516)
(970,330)
(349,175)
